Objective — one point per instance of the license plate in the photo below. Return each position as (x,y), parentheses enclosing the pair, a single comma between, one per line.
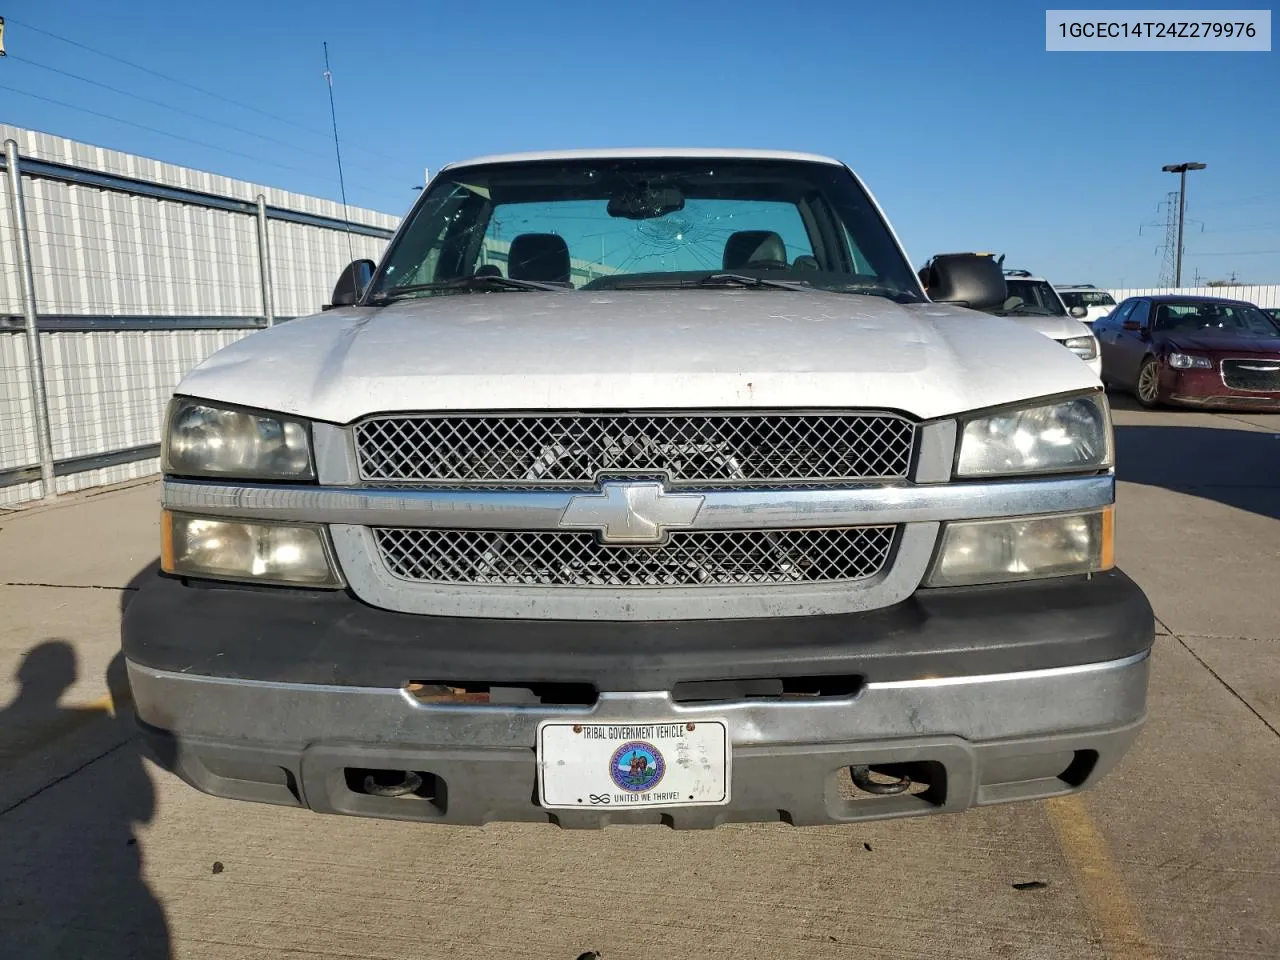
(613,765)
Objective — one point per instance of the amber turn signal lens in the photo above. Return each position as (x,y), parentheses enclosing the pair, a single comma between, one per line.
(1108,558)
(166,541)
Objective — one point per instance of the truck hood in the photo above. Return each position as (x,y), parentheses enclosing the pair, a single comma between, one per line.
(704,349)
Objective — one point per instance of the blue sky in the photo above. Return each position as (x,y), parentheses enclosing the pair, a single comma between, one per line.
(968,132)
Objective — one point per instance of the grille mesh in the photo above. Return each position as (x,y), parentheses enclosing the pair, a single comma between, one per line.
(573,450)
(688,558)
(1264,377)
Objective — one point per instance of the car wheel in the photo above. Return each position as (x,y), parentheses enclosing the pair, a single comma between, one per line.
(1148,388)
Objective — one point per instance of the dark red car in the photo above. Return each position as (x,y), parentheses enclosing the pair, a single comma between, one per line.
(1199,351)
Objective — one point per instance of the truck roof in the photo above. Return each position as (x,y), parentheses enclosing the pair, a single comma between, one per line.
(628,153)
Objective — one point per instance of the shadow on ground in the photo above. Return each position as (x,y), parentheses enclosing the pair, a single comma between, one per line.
(71,882)
(1239,468)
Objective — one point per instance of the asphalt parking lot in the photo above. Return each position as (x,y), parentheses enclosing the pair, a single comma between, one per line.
(1177,854)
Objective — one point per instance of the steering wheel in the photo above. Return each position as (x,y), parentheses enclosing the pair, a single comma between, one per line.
(766,265)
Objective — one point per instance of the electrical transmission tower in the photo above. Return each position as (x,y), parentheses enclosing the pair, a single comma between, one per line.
(1170,246)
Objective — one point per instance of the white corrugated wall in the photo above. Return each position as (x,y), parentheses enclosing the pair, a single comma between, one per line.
(103,253)
(97,251)
(1262,295)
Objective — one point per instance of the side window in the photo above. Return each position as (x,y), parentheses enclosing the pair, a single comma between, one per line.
(1140,312)
(1122,312)
(422,257)
(861,264)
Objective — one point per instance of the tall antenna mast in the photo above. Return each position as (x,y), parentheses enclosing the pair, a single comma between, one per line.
(342,183)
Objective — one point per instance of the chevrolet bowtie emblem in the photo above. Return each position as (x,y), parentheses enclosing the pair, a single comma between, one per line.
(632,512)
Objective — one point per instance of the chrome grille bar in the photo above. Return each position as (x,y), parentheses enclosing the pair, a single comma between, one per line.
(723,509)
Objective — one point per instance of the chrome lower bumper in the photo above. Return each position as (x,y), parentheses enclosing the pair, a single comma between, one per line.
(998,737)
(975,708)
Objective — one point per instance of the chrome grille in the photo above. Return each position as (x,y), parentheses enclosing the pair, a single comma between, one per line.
(574,450)
(1261,375)
(687,559)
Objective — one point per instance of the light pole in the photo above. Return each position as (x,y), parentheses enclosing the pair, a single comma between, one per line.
(1180,169)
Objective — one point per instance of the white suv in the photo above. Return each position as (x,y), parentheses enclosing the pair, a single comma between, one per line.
(1040,307)
(1033,302)
(1095,303)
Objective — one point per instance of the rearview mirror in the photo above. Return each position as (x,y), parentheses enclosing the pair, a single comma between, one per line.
(1079,312)
(646,202)
(351,284)
(966,279)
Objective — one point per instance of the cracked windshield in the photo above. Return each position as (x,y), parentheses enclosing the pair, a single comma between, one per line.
(643,225)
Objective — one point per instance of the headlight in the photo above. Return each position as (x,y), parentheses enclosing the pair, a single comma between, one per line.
(997,551)
(1086,348)
(1186,361)
(236,550)
(1067,435)
(205,440)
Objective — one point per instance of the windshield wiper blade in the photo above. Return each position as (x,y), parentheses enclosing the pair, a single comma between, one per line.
(876,290)
(743,280)
(711,280)
(484,282)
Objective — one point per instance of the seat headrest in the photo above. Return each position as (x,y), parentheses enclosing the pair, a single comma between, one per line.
(542,257)
(746,246)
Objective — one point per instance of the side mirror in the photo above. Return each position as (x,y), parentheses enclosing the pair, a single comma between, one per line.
(1079,312)
(351,283)
(1133,325)
(968,280)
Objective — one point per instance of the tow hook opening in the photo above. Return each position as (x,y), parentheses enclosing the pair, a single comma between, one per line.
(827,687)
(411,784)
(483,693)
(924,779)
(862,779)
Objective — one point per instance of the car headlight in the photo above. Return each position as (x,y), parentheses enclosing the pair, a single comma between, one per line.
(997,551)
(202,439)
(278,553)
(1086,348)
(1187,361)
(1062,436)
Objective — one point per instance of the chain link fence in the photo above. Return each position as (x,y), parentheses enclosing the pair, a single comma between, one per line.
(117,276)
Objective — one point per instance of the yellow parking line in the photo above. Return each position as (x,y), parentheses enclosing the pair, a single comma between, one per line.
(1098,878)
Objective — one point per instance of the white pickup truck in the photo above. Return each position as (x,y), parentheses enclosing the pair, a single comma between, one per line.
(645,487)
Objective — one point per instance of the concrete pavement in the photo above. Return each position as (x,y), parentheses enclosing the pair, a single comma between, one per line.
(1176,855)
